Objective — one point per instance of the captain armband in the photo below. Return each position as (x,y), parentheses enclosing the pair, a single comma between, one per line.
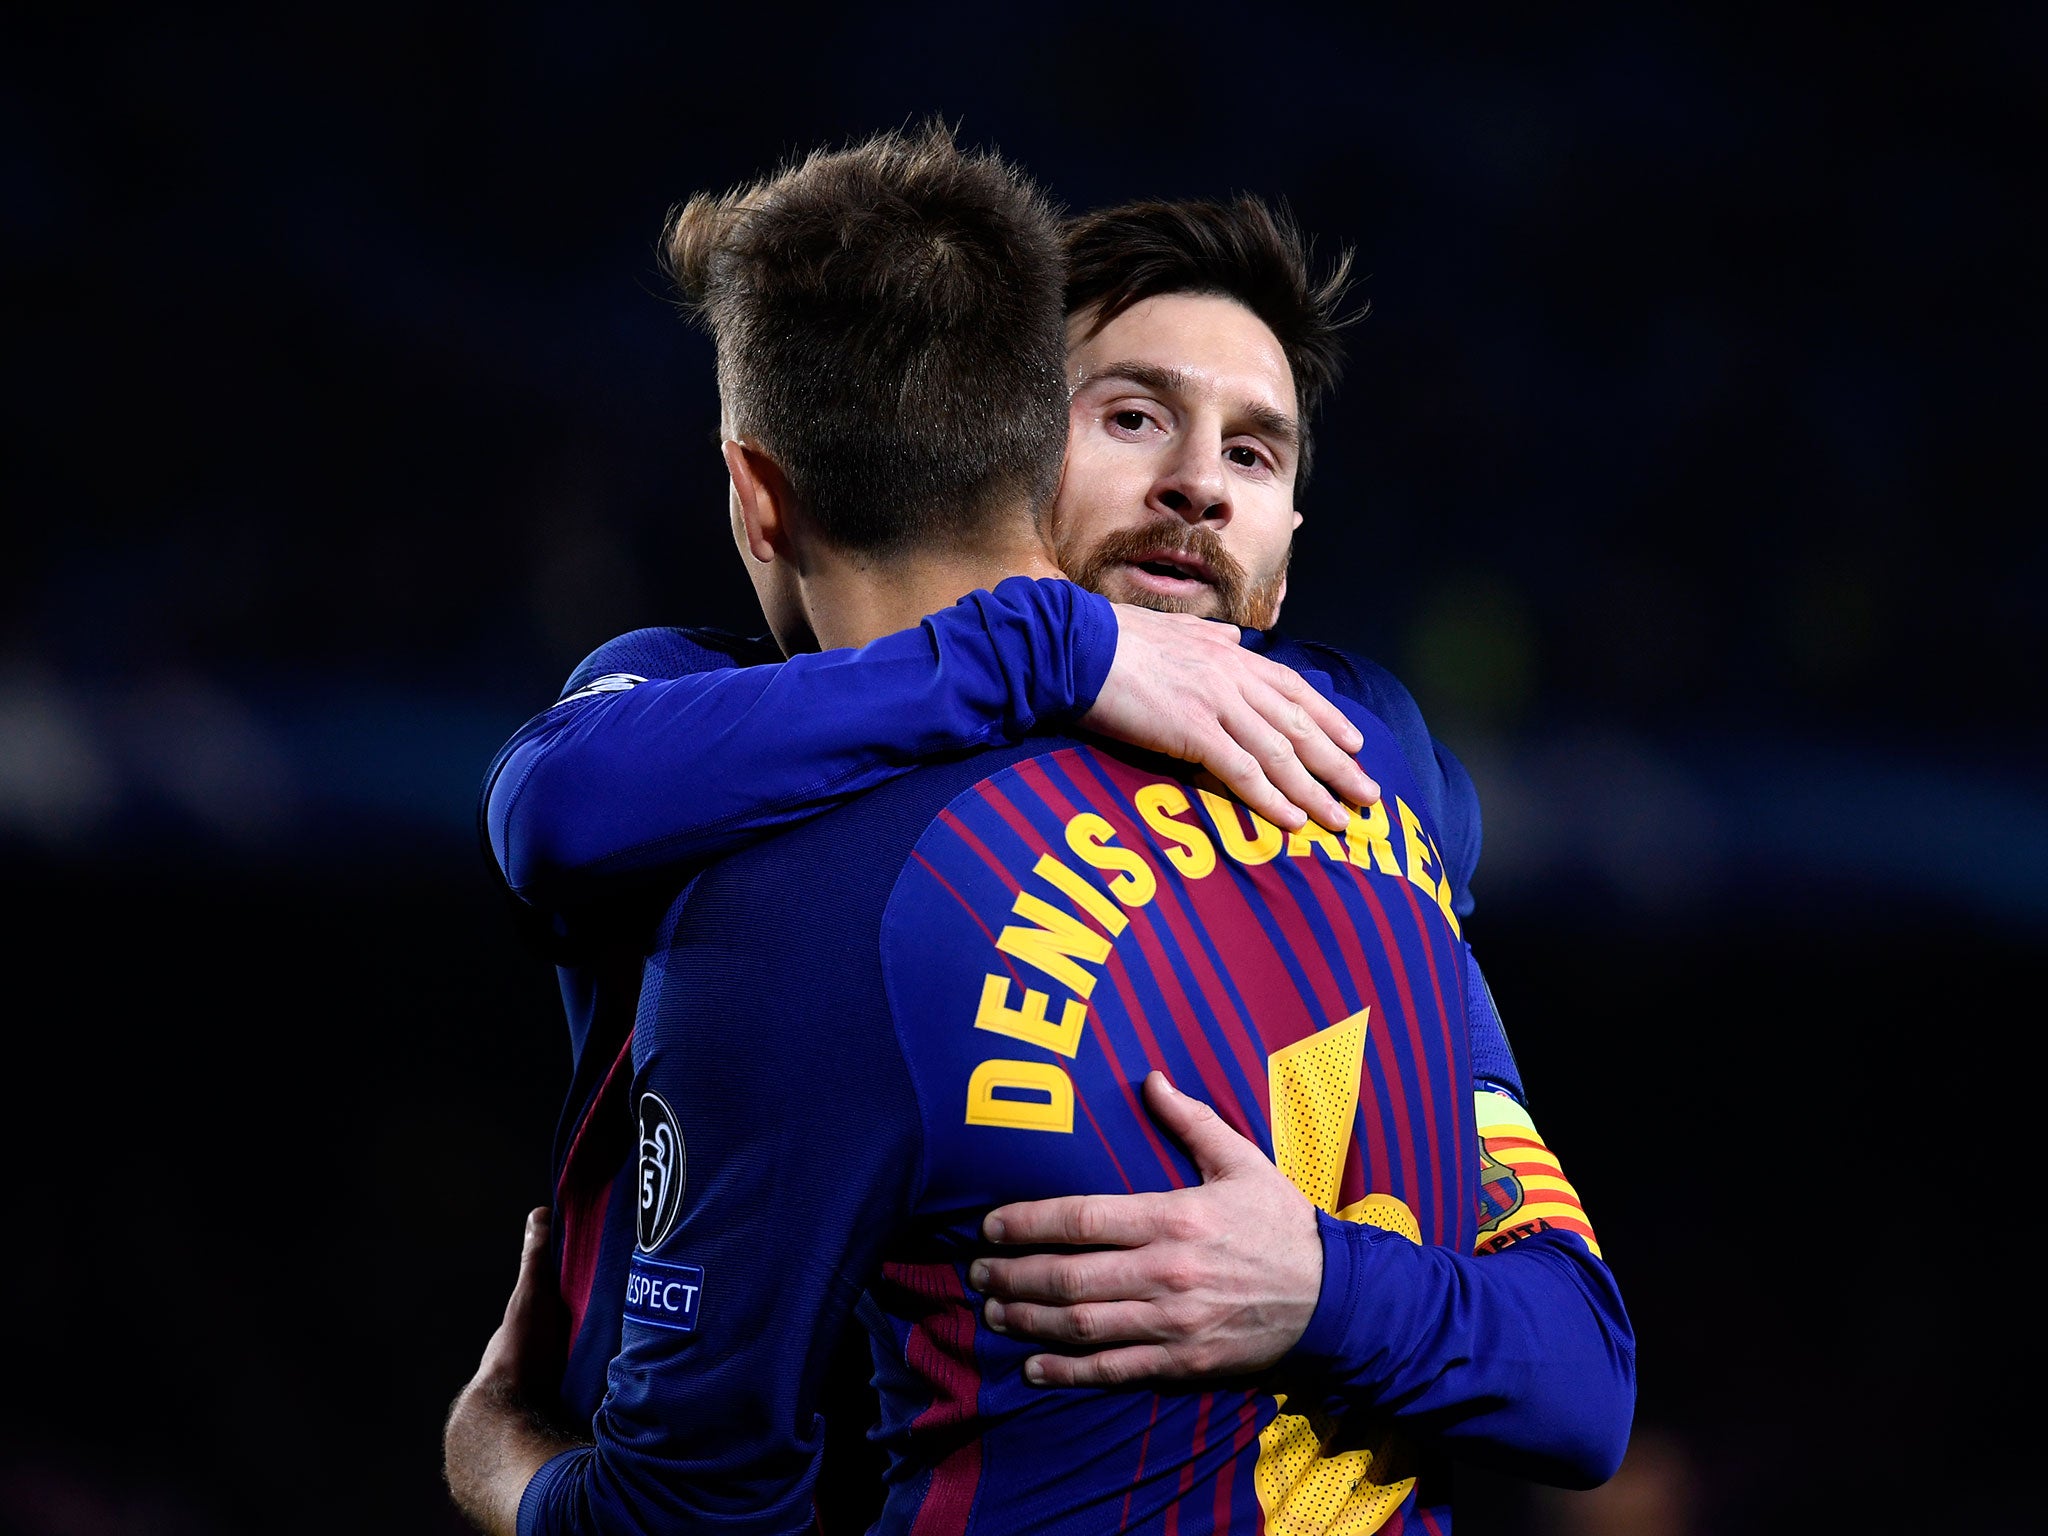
(1522,1188)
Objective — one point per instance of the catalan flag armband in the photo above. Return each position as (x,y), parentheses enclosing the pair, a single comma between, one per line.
(1522,1189)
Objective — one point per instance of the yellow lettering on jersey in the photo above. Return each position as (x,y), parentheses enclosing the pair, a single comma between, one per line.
(1054,1113)
(1259,848)
(1315,835)
(1443,892)
(1094,842)
(1083,895)
(1029,1022)
(1191,852)
(1366,838)
(1418,849)
(1050,946)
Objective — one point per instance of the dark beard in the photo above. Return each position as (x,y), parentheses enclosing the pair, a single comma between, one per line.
(1232,596)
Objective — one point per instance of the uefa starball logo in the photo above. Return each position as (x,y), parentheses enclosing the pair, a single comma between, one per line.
(662,1167)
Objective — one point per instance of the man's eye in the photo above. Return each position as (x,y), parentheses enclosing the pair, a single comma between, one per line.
(1243,457)
(1130,421)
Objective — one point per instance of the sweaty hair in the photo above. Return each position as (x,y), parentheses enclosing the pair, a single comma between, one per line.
(1241,250)
(888,325)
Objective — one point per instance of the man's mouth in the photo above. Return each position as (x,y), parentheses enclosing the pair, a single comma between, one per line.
(1172,572)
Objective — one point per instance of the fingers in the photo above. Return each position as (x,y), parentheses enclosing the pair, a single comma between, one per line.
(1183,686)
(1089,1325)
(1248,756)
(526,1292)
(1110,1368)
(1328,718)
(1292,755)
(1323,737)
(1279,760)
(1213,1147)
(1075,1221)
(1069,1278)
(527,1344)
(536,1240)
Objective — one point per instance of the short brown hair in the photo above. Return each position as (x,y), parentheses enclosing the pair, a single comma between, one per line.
(888,325)
(1242,250)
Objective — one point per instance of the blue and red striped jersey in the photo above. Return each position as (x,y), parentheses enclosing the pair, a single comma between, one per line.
(1074,922)
(855,1038)
(671,745)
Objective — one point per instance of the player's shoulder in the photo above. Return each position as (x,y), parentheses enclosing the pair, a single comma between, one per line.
(642,655)
(1358,678)
(1446,785)
(1373,688)
(863,841)
(789,928)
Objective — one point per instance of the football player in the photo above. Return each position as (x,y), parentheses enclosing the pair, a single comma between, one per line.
(826,1003)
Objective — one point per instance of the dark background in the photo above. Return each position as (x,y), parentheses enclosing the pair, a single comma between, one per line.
(1687,469)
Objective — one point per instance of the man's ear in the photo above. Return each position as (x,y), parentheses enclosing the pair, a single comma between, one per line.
(1047,532)
(762,492)
(1297,519)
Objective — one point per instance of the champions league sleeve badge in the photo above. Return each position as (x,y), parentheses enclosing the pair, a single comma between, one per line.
(658,1292)
(662,1169)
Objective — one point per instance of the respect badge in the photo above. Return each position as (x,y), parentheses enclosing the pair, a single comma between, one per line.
(664,1295)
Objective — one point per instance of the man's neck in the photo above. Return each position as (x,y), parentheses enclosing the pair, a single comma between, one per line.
(853,599)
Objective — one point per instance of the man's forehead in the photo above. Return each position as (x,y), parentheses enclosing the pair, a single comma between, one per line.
(1194,343)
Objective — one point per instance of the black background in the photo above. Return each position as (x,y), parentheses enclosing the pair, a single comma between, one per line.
(1687,469)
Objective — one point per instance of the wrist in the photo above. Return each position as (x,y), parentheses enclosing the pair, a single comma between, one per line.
(1092,639)
(1055,644)
(501,1455)
(530,1513)
(1329,1325)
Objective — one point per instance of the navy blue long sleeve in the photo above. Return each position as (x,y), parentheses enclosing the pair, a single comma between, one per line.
(636,774)
(1522,1359)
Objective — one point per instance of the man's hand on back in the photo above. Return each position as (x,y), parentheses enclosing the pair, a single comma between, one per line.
(1219,1280)
(1183,686)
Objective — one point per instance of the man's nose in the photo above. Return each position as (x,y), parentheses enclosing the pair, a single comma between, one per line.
(1194,488)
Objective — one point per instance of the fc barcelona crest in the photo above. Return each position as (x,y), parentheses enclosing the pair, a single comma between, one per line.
(1500,1192)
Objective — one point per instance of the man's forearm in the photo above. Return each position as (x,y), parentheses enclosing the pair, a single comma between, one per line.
(1524,1359)
(660,773)
(493,1444)
(1523,1356)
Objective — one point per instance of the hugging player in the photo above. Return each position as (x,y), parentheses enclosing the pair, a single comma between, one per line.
(1191,378)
